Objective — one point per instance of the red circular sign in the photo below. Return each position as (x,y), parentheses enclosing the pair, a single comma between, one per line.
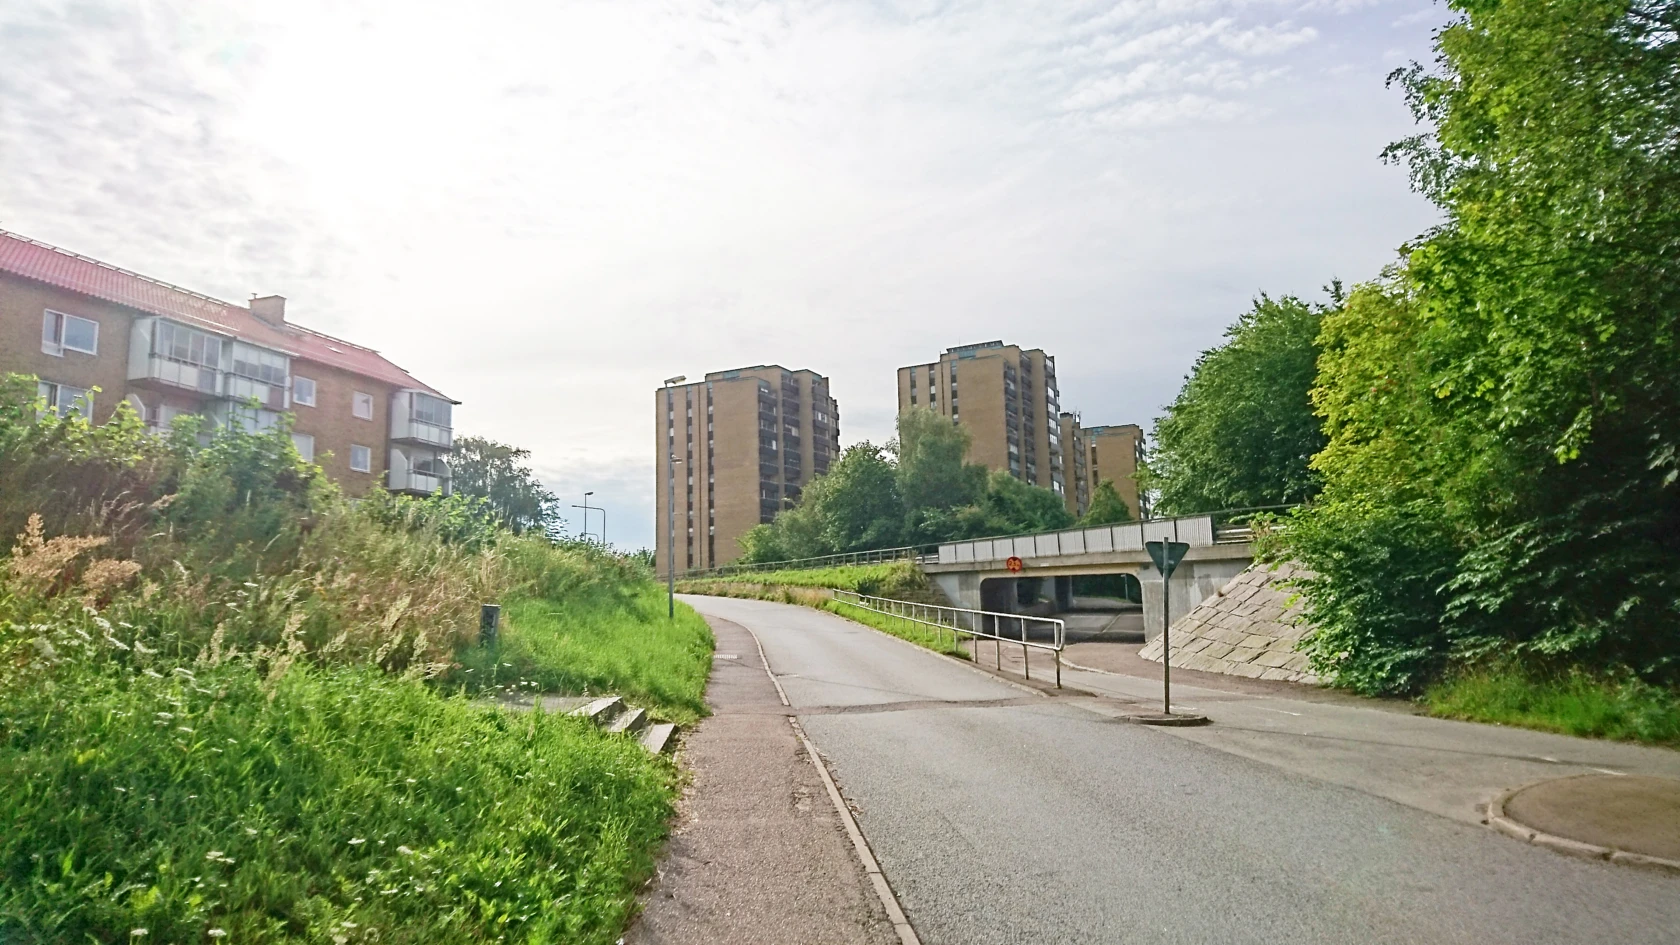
(1014,564)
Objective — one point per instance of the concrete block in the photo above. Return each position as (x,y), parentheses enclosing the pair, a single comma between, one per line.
(1297,663)
(1273,658)
(1242,654)
(1274,673)
(1217,650)
(1259,641)
(1248,670)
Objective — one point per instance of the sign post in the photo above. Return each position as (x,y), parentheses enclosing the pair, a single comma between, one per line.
(1166,555)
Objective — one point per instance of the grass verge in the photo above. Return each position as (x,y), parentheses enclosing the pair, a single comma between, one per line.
(939,641)
(1575,704)
(890,579)
(339,805)
(599,643)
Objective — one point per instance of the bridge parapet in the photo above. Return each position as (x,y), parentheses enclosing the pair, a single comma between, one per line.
(1197,531)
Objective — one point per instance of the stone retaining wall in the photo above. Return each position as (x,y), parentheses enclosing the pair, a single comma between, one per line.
(1247,628)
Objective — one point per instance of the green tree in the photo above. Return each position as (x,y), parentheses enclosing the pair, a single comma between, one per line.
(1013,507)
(1241,432)
(498,473)
(1500,409)
(858,502)
(930,454)
(1107,508)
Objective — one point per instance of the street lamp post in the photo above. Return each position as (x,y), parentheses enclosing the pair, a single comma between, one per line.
(587,508)
(671,497)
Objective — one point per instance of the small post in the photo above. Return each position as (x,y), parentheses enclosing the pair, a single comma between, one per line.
(489,622)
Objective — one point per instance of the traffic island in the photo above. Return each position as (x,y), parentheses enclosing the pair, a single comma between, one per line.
(1626,819)
(1169,720)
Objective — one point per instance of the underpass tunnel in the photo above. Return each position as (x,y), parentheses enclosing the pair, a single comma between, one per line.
(1105,607)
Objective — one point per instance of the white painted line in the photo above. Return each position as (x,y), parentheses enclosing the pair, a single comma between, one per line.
(860,846)
(1619,774)
(871,867)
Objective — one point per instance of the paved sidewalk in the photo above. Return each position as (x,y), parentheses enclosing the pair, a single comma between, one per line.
(759,854)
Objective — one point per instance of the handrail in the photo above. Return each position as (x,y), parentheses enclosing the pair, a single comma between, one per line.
(907,610)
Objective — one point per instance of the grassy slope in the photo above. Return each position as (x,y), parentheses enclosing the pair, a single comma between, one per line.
(882,580)
(596,644)
(1574,705)
(344,806)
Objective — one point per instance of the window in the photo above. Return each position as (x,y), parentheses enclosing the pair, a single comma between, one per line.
(303,391)
(64,400)
(61,333)
(187,345)
(361,405)
(260,364)
(361,458)
(305,446)
(429,409)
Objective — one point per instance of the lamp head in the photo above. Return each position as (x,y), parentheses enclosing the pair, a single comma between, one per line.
(676,380)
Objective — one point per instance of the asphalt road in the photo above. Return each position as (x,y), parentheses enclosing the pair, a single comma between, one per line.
(1001,817)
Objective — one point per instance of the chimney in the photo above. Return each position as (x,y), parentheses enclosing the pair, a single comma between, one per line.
(271,309)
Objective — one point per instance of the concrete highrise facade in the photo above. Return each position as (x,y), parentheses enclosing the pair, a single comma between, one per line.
(1007,399)
(745,443)
(1114,452)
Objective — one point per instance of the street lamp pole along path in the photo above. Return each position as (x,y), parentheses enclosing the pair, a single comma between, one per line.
(587,508)
(670,497)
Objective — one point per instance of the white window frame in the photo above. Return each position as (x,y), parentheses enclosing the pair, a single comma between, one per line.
(357,398)
(297,391)
(367,461)
(53,334)
(53,393)
(302,440)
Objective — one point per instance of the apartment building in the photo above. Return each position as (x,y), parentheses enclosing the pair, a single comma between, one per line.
(1114,452)
(1078,494)
(1006,397)
(94,336)
(732,451)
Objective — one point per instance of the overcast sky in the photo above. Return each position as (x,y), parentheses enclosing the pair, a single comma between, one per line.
(542,208)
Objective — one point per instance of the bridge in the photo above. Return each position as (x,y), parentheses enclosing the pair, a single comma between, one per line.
(975,574)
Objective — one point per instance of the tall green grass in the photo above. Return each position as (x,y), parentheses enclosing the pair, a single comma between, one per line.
(1574,704)
(338,805)
(879,580)
(597,644)
(234,707)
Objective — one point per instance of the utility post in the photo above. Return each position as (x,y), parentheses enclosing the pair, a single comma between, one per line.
(670,498)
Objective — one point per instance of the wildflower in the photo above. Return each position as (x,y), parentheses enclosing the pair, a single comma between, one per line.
(357,841)
(405,851)
(217,933)
(251,830)
(166,716)
(138,933)
(183,728)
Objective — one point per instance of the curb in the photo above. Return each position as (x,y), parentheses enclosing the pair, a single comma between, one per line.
(1500,821)
(860,845)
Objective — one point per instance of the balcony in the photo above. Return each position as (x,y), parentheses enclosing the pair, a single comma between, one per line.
(417,470)
(420,418)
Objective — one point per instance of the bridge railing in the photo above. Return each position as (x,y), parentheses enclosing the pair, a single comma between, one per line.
(975,624)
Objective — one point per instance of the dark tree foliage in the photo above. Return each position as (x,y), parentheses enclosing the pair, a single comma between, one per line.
(1107,508)
(497,473)
(1513,389)
(1241,433)
(919,490)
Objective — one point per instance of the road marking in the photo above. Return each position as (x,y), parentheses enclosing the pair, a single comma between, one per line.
(1619,774)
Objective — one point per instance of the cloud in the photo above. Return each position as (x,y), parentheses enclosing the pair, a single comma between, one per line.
(545,208)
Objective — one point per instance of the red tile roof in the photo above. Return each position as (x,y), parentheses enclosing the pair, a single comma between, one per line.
(41,262)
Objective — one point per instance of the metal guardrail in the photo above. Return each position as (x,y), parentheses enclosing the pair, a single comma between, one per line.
(981,624)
